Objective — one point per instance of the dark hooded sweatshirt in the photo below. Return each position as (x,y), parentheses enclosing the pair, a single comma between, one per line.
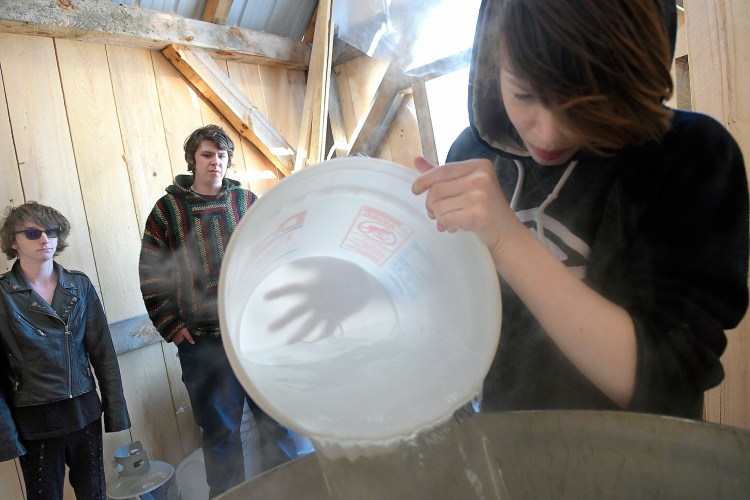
(660,229)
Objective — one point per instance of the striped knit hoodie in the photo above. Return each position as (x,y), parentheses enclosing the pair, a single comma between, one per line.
(181,253)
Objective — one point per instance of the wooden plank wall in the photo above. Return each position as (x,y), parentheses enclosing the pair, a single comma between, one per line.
(718,39)
(96,131)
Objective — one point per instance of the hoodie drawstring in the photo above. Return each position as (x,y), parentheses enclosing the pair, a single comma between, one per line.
(519,185)
(539,219)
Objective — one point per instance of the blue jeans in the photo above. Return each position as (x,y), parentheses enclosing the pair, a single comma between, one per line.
(43,465)
(217,400)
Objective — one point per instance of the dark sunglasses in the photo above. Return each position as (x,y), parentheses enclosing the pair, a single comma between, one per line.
(35,234)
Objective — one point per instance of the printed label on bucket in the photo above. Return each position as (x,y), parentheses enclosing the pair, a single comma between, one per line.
(282,235)
(376,235)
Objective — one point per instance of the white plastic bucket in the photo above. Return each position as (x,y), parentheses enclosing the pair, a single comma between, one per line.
(346,315)
(191,477)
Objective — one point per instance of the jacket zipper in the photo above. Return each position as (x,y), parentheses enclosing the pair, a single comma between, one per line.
(13,378)
(67,349)
(37,330)
(70,367)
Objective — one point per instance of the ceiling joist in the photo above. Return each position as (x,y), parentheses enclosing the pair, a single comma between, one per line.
(214,84)
(114,24)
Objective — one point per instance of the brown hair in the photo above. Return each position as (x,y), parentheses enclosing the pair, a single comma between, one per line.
(31,211)
(601,67)
(213,133)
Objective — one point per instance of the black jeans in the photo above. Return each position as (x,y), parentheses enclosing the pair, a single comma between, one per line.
(44,463)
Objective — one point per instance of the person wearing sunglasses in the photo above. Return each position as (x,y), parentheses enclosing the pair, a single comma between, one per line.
(52,332)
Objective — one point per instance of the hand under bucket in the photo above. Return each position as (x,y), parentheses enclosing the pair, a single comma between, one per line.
(346,314)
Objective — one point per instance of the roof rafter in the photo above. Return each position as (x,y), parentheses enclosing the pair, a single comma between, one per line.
(115,24)
(393,88)
(214,84)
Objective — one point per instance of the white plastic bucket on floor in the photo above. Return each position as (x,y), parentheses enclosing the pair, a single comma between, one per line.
(191,477)
(191,472)
(346,315)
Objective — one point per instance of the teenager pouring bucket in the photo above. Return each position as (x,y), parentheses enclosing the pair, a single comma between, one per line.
(347,316)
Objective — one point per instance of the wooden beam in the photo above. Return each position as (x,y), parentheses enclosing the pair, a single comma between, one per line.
(115,24)
(343,52)
(214,84)
(217,11)
(371,131)
(313,124)
(310,31)
(424,120)
(368,138)
(336,117)
(303,139)
(320,76)
(443,66)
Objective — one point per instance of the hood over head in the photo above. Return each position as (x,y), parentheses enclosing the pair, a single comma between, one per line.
(487,116)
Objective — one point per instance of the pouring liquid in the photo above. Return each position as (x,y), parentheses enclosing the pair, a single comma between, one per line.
(453,460)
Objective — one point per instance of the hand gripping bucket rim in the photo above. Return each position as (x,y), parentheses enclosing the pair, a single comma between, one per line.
(409,317)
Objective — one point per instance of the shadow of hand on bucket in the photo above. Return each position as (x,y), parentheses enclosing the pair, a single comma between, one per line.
(335,297)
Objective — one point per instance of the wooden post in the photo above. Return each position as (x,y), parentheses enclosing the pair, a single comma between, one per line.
(217,11)
(424,120)
(383,107)
(336,115)
(315,112)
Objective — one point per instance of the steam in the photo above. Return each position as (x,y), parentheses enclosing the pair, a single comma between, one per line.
(409,33)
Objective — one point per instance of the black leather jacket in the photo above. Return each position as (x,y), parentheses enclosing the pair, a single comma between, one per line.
(48,358)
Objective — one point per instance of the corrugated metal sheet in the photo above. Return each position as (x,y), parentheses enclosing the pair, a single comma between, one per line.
(288,18)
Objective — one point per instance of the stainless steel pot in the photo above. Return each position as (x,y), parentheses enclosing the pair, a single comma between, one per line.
(538,454)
